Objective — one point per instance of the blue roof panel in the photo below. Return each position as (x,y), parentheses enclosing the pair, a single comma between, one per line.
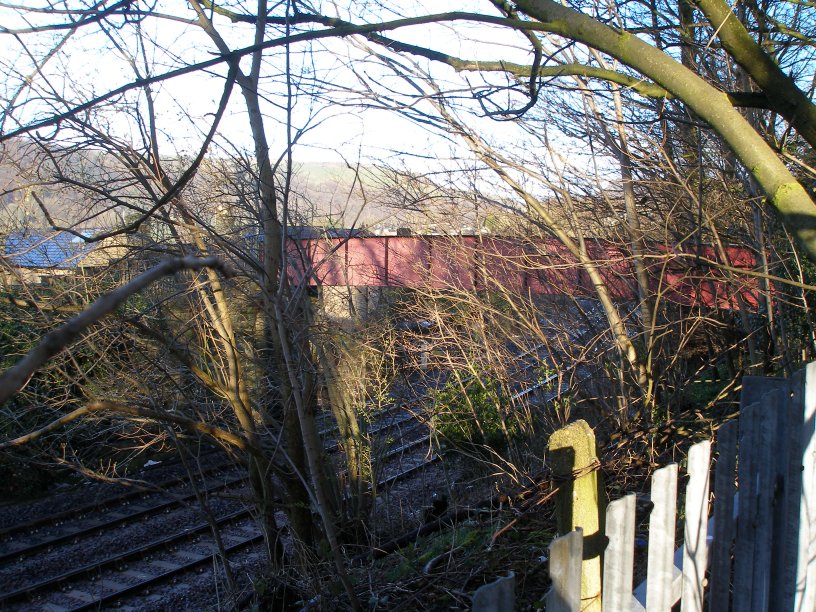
(29,249)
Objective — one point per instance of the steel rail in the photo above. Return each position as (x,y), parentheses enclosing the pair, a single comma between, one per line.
(141,550)
(206,558)
(91,526)
(128,555)
(144,549)
(411,418)
(399,450)
(113,519)
(164,576)
(378,416)
(408,472)
(101,504)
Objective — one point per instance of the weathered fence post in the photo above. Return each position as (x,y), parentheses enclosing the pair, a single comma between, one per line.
(619,558)
(763,455)
(574,461)
(769,523)
(724,526)
(565,572)
(660,565)
(805,596)
(695,550)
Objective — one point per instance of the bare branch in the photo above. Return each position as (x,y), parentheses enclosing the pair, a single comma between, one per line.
(237,54)
(88,16)
(133,411)
(173,190)
(53,343)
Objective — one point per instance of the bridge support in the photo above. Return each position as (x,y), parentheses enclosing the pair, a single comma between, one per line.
(350,304)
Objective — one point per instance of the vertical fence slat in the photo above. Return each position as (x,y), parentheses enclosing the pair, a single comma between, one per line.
(806,558)
(566,555)
(786,514)
(787,472)
(746,508)
(724,489)
(766,455)
(774,539)
(660,566)
(496,596)
(695,551)
(619,557)
(784,453)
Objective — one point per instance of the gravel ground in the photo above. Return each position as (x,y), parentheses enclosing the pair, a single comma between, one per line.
(204,589)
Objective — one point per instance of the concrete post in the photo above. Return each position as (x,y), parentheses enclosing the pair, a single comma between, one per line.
(574,460)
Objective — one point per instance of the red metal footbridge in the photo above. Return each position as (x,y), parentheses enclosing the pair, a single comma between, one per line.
(524,267)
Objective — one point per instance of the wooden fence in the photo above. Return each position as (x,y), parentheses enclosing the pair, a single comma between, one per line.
(758,546)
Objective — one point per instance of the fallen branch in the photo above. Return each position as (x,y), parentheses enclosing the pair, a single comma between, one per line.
(54,342)
(527,506)
(29,303)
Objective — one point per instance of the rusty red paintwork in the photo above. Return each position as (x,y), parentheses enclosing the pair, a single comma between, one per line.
(541,267)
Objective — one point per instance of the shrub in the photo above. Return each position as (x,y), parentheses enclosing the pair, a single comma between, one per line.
(474,411)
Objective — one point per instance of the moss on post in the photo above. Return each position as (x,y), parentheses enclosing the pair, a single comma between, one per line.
(573,459)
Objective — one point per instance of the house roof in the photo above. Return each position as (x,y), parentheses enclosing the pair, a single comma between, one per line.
(33,249)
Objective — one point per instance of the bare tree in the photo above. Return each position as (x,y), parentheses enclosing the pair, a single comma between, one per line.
(253,347)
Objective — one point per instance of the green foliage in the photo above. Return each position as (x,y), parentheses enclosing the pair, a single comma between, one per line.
(699,394)
(464,538)
(474,411)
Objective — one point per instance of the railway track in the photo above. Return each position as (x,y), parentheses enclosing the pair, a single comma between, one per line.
(380,420)
(107,553)
(66,560)
(111,588)
(62,561)
(92,556)
(140,499)
(112,579)
(66,530)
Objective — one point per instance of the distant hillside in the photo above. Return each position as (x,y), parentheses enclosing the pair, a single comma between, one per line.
(321,194)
